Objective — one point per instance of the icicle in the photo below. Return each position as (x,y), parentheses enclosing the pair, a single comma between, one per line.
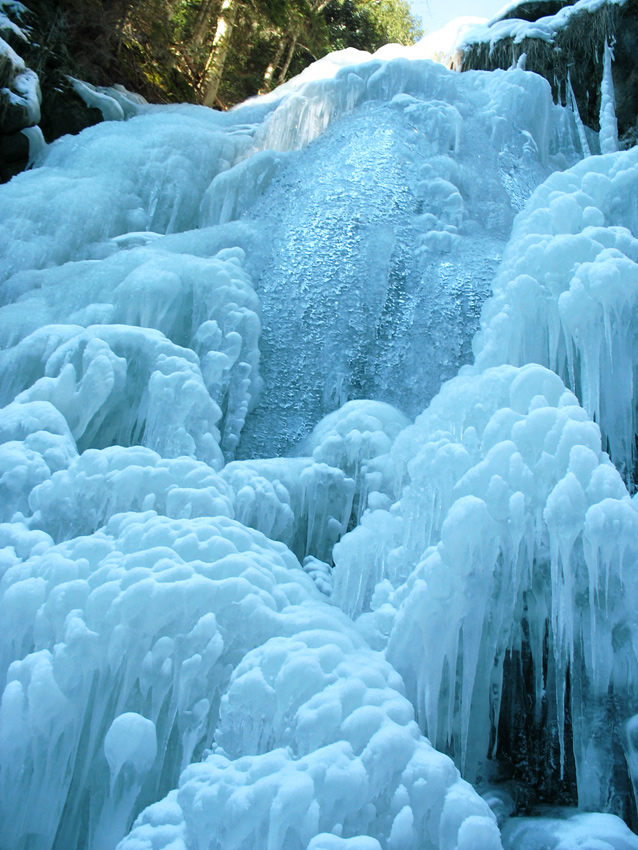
(573,105)
(37,143)
(608,123)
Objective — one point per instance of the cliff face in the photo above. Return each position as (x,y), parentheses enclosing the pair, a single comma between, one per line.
(565,42)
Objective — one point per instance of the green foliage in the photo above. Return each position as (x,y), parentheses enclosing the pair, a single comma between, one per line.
(368,24)
(160,48)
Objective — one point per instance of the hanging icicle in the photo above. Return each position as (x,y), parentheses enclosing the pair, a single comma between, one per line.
(608,123)
(573,105)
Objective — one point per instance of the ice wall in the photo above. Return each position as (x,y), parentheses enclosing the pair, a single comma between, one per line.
(514,530)
(394,244)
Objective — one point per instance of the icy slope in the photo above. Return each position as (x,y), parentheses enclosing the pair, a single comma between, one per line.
(187,288)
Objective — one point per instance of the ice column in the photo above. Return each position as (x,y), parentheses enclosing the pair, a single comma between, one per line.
(573,105)
(608,123)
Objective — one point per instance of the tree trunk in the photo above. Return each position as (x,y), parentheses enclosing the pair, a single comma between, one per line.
(270,70)
(316,6)
(202,24)
(214,69)
(291,52)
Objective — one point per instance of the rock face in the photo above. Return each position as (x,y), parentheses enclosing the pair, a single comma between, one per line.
(565,42)
(19,92)
(35,107)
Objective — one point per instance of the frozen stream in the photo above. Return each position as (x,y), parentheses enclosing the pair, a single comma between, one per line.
(355,302)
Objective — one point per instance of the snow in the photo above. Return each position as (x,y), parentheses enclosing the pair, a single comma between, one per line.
(264,525)
(544,29)
(8,22)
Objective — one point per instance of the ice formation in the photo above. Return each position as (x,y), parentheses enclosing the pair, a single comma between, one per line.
(565,293)
(239,582)
(608,123)
(513,530)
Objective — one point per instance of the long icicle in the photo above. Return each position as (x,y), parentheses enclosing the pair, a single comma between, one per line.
(573,105)
(608,123)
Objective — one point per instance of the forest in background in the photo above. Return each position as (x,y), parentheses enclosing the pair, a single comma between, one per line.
(216,52)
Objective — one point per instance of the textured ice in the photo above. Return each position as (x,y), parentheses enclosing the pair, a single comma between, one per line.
(512,529)
(238,579)
(565,293)
(395,243)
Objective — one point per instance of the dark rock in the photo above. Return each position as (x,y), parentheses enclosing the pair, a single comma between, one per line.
(63,111)
(13,116)
(14,155)
(625,73)
(534,9)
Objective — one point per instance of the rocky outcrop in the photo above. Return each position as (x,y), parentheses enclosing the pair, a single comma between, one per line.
(19,91)
(35,107)
(565,42)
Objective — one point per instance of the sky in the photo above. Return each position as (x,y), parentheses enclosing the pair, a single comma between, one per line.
(436,13)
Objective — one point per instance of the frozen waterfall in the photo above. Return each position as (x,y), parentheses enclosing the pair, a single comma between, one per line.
(318,426)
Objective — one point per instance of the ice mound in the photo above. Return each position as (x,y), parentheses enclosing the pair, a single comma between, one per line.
(97,485)
(310,502)
(352,438)
(304,504)
(338,83)
(315,736)
(154,184)
(117,384)
(205,306)
(147,615)
(114,102)
(513,533)
(150,615)
(566,294)
(35,443)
